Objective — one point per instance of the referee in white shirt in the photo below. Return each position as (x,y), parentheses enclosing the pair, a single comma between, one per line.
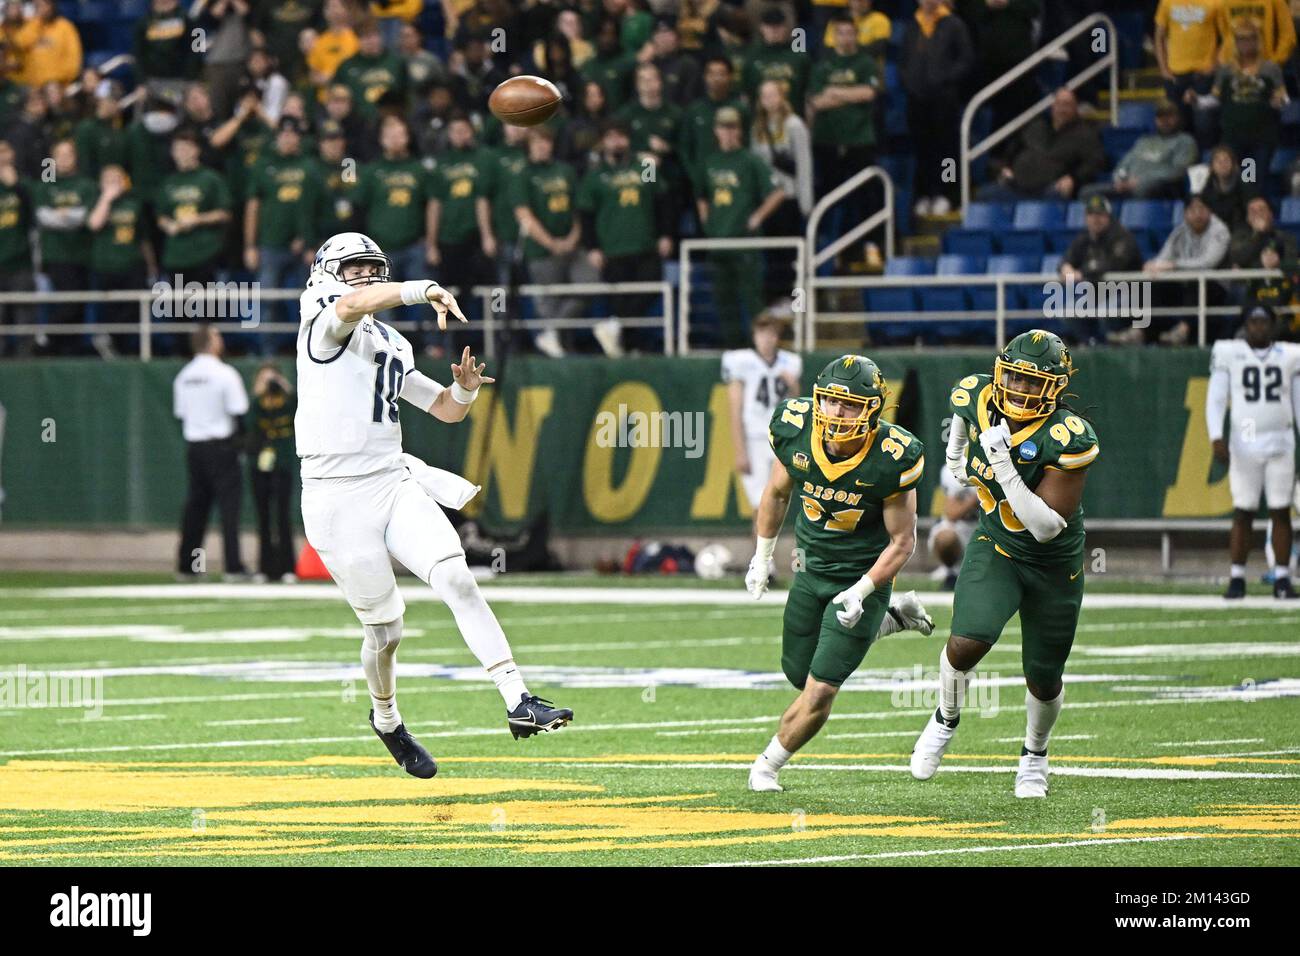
(209,398)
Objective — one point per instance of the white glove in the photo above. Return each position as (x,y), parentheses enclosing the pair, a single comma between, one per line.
(852,612)
(851,597)
(760,569)
(957,468)
(996,442)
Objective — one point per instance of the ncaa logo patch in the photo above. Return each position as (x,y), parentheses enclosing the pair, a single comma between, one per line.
(800,461)
(1028,451)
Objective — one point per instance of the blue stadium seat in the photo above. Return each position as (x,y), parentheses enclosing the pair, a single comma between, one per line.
(1038,214)
(1117,142)
(909,266)
(1051,262)
(1290,114)
(1010,264)
(960,265)
(1022,243)
(1147,214)
(987,215)
(1058,240)
(967,242)
(1290,215)
(1074,215)
(1138,116)
(1283,157)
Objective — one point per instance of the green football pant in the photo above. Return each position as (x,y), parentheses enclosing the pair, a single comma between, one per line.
(993,586)
(813,641)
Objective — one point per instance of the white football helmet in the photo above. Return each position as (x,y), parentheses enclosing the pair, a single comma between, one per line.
(345,247)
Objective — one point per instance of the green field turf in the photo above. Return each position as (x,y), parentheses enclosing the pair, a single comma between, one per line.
(234,731)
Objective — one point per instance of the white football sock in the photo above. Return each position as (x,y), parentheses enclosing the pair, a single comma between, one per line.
(379,661)
(1040,717)
(953,685)
(775,755)
(509,682)
(478,626)
(1237,570)
(1281,571)
(888,626)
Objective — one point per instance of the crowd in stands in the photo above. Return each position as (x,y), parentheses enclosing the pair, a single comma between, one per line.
(244,132)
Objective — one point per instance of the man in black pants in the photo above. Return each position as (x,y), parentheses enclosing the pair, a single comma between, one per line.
(273,474)
(208,397)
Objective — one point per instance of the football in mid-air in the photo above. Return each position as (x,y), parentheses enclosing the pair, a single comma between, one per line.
(525,101)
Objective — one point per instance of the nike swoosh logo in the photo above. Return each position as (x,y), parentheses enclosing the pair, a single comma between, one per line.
(864,484)
(1076,574)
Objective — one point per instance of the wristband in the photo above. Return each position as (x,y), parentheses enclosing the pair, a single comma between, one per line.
(461,394)
(862,587)
(765,547)
(416,291)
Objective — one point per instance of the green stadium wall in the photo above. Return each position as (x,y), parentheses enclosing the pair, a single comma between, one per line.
(92,444)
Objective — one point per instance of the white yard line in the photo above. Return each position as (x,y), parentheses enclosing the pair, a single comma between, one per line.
(253,722)
(1002,848)
(1200,743)
(1118,773)
(539,594)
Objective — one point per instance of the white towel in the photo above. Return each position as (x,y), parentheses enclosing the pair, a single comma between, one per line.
(448,489)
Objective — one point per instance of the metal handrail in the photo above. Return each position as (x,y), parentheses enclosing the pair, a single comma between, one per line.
(1001,281)
(687,246)
(1110,59)
(815,259)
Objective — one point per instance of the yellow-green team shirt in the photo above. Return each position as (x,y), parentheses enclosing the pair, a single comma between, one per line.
(1062,441)
(839,502)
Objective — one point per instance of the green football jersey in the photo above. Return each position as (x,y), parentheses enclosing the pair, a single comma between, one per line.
(1062,440)
(839,526)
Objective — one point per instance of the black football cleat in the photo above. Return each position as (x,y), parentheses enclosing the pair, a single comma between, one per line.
(534,715)
(1282,589)
(406,750)
(1236,588)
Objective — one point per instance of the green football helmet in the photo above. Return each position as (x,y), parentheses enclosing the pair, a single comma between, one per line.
(852,380)
(1030,374)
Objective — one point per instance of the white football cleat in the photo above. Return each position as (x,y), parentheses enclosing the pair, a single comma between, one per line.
(930,747)
(914,615)
(762,778)
(1031,778)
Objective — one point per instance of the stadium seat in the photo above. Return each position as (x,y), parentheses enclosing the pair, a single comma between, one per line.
(1117,142)
(1147,214)
(1074,215)
(1038,214)
(967,242)
(959,265)
(1137,116)
(1058,240)
(1022,243)
(1290,214)
(1290,113)
(987,215)
(1051,262)
(1011,264)
(909,266)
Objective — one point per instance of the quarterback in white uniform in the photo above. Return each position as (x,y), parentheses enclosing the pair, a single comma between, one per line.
(363,500)
(758,379)
(1257,381)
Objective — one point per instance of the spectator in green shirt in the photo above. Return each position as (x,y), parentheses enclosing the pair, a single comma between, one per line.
(544,197)
(335,206)
(193,210)
(843,89)
(456,245)
(777,58)
(278,221)
(16,274)
(62,205)
(121,256)
(737,192)
(101,139)
(697,139)
(627,222)
(376,77)
(163,44)
(610,67)
(281,23)
(494,205)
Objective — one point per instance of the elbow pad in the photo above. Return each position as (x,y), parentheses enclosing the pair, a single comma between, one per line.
(1034,513)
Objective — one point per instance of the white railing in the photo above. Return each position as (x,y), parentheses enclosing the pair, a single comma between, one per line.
(1108,60)
(1000,314)
(687,246)
(221,298)
(817,258)
(492,320)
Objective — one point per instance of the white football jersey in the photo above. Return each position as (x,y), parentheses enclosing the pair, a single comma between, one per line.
(347,421)
(1262,389)
(764,386)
